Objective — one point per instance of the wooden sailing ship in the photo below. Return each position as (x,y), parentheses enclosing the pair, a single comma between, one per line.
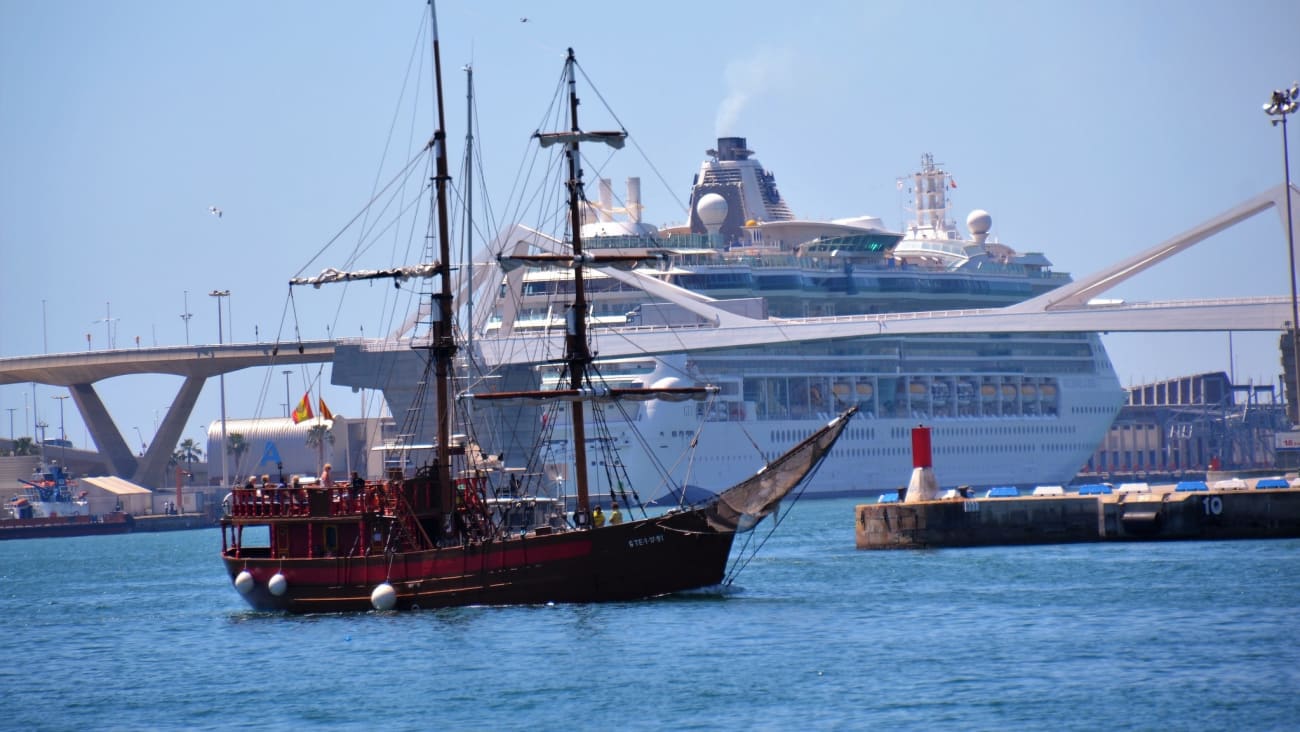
(451,532)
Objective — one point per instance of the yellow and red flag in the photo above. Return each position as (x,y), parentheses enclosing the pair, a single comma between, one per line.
(303,412)
(325,412)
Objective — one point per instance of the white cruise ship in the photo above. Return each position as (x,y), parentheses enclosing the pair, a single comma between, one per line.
(1006,409)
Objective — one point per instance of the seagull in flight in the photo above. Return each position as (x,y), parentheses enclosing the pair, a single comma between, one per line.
(523,19)
(214,211)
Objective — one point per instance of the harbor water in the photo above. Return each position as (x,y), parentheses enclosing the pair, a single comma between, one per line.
(143,631)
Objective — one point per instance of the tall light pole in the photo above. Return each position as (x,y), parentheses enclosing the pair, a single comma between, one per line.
(63,436)
(225,476)
(286,373)
(1280,104)
(186,315)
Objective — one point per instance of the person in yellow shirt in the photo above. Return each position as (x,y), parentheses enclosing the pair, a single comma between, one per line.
(614,516)
(597,518)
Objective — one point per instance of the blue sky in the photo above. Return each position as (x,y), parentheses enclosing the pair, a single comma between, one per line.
(1089,130)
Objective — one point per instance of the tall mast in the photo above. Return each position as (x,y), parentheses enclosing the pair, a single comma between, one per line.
(469,208)
(443,343)
(577,356)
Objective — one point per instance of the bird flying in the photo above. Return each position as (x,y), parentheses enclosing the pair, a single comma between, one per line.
(214,211)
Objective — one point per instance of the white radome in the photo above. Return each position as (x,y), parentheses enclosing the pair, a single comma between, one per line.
(712,209)
(979,222)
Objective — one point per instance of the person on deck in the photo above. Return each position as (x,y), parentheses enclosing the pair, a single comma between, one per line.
(325,475)
(357,486)
(614,516)
(597,518)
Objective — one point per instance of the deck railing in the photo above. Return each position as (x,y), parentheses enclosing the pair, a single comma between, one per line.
(310,502)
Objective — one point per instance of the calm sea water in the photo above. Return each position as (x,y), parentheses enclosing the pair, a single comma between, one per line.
(143,631)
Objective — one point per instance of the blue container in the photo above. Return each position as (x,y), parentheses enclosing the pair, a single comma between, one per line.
(1094,489)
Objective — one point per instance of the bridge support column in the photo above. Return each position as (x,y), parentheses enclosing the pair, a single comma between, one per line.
(102,429)
(155,459)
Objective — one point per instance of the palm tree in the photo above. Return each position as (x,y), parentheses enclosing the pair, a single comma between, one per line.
(188,451)
(236,445)
(317,436)
(25,446)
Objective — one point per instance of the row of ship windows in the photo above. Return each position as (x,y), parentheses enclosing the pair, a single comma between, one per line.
(791,436)
(1091,410)
(827,282)
(899,433)
(838,282)
(988,449)
(1047,429)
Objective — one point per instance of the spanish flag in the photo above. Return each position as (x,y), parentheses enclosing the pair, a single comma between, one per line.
(325,412)
(303,412)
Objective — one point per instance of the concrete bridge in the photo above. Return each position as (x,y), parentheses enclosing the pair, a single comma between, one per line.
(79,372)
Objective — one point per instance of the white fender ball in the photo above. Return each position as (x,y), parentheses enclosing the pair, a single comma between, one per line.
(277,585)
(384,597)
(244,582)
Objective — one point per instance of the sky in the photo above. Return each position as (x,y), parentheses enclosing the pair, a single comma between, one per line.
(1089,130)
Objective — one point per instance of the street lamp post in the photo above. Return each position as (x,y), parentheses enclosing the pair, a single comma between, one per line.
(225,476)
(186,315)
(1280,104)
(286,373)
(11,411)
(63,436)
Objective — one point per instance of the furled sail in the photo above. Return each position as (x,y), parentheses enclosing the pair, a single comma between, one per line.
(743,505)
(398,274)
(619,261)
(614,139)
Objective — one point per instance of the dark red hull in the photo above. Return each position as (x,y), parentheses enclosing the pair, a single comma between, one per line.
(629,561)
(36,528)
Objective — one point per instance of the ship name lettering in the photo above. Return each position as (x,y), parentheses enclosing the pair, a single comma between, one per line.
(645,541)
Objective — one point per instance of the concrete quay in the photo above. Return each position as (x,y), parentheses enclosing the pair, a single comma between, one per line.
(1133,513)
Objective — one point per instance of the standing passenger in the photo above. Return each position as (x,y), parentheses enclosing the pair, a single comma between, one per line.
(614,516)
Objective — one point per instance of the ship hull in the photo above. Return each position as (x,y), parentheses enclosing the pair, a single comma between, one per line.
(63,526)
(629,561)
(875,451)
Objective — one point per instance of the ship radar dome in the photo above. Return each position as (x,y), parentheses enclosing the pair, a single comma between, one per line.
(712,210)
(979,222)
